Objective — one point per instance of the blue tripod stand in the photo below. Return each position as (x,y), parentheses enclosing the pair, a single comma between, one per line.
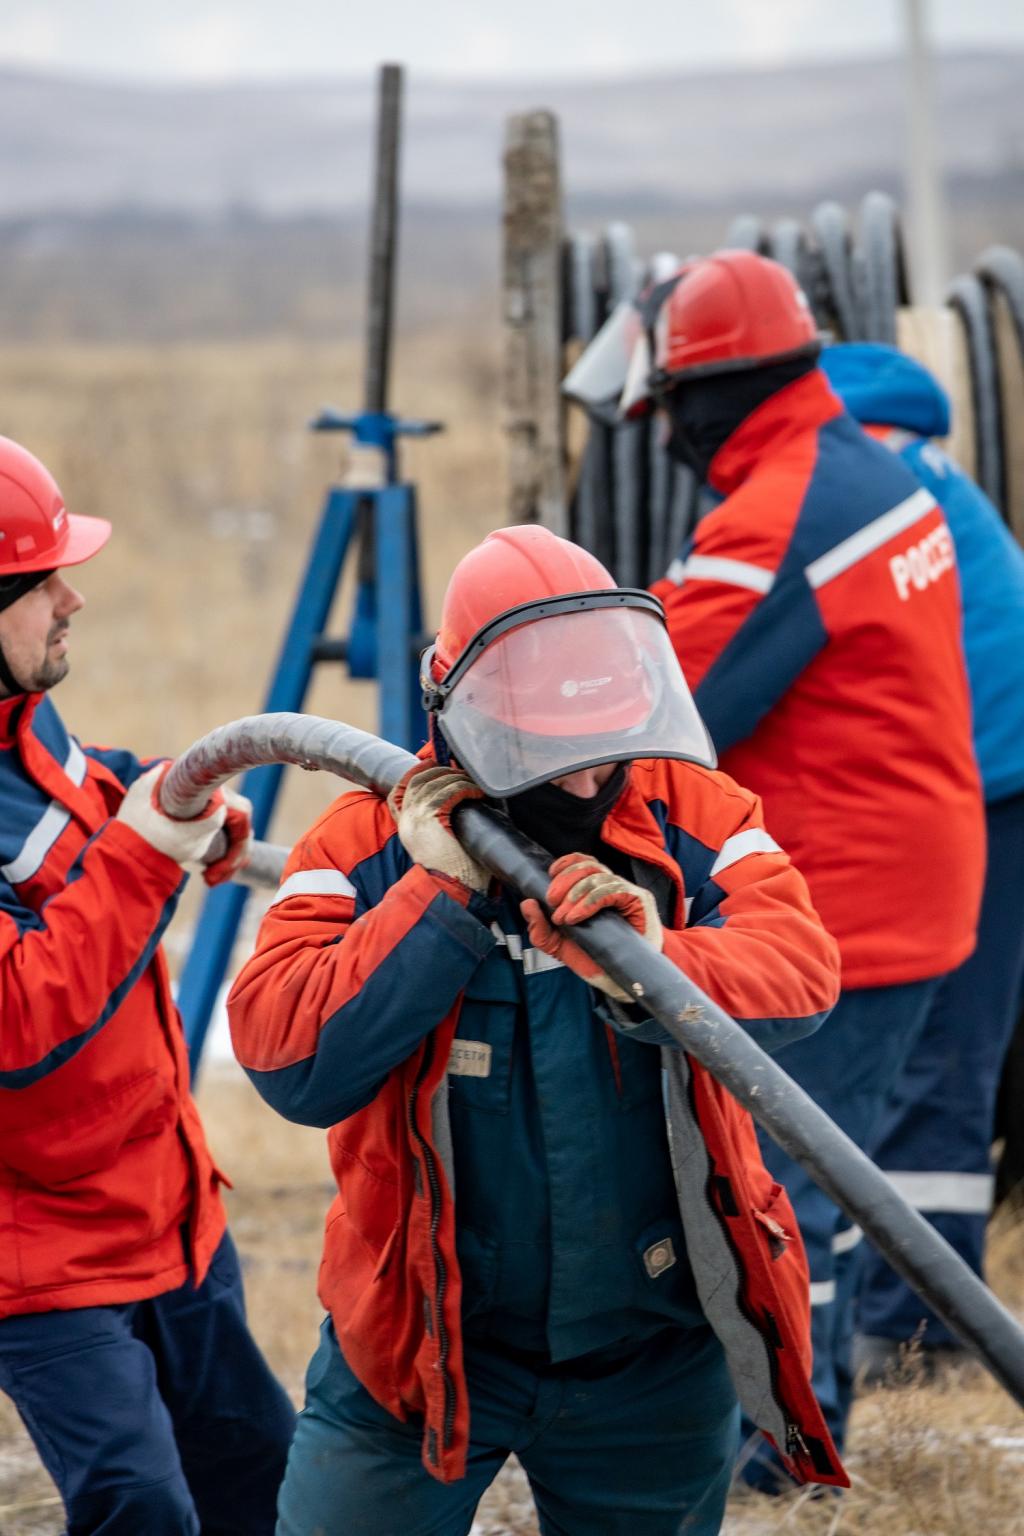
(384,641)
(385,636)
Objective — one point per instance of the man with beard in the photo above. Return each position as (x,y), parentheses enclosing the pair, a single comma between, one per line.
(513,1263)
(123,1340)
(816,615)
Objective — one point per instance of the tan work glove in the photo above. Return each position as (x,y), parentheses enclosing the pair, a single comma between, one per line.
(422,806)
(183,841)
(581,886)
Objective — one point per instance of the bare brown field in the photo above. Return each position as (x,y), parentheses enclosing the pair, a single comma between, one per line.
(200,457)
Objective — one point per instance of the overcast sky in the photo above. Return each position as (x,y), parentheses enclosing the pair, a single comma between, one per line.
(225,39)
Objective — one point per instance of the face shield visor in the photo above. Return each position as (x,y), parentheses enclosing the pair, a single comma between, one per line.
(596,379)
(616,377)
(562,684)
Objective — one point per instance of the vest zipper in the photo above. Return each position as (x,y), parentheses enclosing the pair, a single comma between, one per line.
(795,1442)
(440,1269)
(793,1434)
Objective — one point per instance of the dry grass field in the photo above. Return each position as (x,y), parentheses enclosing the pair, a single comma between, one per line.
(924,1461)
(199,455)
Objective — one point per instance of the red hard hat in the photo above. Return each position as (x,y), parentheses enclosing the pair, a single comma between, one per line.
(521,564)
(728,311)
(734,309)
(37,533)
(542,665)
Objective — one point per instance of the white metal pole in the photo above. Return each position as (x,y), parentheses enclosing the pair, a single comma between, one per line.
(929,239)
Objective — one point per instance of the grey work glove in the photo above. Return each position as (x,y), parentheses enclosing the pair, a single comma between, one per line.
(422,805)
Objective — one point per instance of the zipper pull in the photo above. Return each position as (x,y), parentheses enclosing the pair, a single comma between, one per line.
(795,1442)
(774,1227)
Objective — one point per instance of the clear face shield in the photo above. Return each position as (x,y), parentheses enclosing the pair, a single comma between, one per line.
(554,686)
(615,377)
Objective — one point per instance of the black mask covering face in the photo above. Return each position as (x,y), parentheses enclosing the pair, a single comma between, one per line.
(703,412)
(565,823)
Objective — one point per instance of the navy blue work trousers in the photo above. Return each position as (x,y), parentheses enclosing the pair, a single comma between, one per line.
(935,1141)
(154,1418)
(848,1067)
(639,1445)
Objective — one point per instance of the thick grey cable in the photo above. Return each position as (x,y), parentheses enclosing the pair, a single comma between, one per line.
(590,513)
(1001,271)
(791,247)
(660,480)
(746,233)
(1002,267)
(629,439)
(913,1247)
(830,225)
(882,280)
(682,511)
(264,866)
(966,294)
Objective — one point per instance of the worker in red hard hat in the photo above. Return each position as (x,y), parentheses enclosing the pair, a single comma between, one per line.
(511,1263)
(123,1340)
(525,688)
(37,536)
(832,681)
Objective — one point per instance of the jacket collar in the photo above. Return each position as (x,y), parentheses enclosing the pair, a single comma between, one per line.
(15,712)
(632,828)
(800,407)
(48,772)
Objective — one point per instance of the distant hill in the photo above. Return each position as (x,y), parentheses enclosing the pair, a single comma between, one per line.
(132,212)
(668,140)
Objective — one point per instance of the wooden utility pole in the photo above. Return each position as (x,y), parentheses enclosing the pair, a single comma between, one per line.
(532,289)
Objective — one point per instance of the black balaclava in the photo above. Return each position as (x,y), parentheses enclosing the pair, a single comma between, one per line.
(565,823)
(11,588)
(704,411)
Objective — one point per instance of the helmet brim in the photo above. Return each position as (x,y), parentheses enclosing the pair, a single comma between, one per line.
(666,381)
(86,537)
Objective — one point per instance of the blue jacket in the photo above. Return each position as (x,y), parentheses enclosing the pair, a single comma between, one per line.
(882,387)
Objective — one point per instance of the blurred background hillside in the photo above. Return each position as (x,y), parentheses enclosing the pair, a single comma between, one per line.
(181,210)
(183,286)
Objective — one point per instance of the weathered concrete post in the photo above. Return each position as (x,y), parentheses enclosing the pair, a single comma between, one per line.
(532,295)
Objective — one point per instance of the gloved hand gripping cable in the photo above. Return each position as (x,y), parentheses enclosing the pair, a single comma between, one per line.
(644,976)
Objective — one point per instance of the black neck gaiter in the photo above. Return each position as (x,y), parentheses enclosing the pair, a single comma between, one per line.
(704,412)
(565,823)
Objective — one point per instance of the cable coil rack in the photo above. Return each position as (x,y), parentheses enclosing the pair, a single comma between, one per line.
(612,487)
